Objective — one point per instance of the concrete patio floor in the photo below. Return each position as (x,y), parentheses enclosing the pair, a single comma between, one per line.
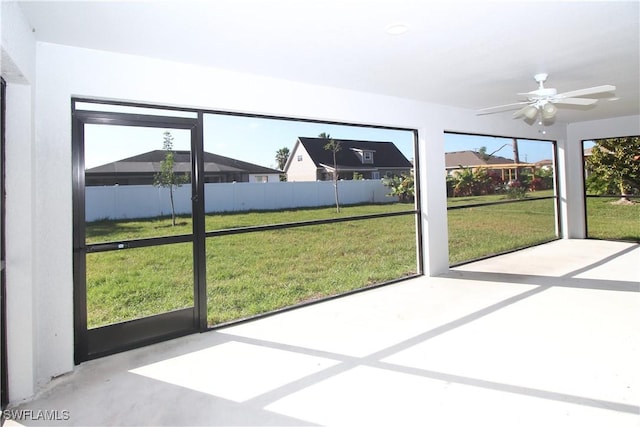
(547,336)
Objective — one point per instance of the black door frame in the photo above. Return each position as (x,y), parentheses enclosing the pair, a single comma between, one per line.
(101,341)
(4,376)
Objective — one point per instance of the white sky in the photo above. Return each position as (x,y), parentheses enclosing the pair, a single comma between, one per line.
(256,140)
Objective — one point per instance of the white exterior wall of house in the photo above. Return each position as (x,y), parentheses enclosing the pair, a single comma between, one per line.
(301,170)
(39,206)
(271,177)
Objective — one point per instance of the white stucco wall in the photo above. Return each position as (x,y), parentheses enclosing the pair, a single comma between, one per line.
(18,45)
(19,71)
(45,348)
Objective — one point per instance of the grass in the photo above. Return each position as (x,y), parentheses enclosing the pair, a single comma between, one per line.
(480,231)
(125,285)
(109,230)
(474,200)
(249,273)
(615,222)
(256,272)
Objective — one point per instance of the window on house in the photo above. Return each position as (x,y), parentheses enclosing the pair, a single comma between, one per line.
(367,157)
(375,175)
(262,178)
(299,157)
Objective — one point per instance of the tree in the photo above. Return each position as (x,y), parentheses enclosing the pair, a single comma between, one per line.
(282,155)
(324,135)
(167,178)
(334,146)
(616,161)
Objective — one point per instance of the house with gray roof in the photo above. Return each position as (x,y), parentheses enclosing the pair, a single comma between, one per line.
(142,168)
(473,159)
(505,167)
(310,161)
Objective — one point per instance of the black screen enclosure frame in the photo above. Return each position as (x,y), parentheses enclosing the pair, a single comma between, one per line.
(102,341)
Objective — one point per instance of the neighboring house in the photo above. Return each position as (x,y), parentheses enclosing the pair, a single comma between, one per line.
(456,160)
(310,161)
(544,164)
(142,168)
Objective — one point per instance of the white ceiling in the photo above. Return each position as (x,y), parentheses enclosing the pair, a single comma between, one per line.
(465,54)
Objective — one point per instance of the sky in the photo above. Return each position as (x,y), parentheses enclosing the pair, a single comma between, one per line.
(256,140)
(253,140)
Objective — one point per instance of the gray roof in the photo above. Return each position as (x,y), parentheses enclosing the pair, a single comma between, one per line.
(455,159)
(150,163)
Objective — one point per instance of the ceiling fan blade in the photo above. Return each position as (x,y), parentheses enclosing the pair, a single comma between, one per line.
(500,108)
(575,101)
(539,93)
(587,91)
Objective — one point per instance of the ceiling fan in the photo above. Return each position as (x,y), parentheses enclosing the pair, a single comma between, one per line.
(543,100)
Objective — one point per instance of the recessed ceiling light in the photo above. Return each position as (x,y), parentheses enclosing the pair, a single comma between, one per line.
(397,29)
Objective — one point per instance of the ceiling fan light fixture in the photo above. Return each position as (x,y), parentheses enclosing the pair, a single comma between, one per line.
(530,112)
(549,110)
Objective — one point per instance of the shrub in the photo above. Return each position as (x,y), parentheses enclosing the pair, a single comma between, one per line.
(515,189)
(401,186)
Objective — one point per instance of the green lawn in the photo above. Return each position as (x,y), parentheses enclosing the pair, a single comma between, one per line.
(485,230)
(259,272)
(256,272)
(474,200)
(107,230)
(249,273)
(616,222)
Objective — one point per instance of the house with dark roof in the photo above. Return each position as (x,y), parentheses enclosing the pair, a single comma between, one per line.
(142,168)
(310,161)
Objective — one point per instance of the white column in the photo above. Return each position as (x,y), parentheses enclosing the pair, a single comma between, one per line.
(571,189)
(435,236)
(21,343)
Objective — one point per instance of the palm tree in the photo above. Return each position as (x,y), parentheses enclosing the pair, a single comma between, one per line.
(464,182)
(282,155)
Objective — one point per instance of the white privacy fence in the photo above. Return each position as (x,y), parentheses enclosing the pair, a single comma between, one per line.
(147,201)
